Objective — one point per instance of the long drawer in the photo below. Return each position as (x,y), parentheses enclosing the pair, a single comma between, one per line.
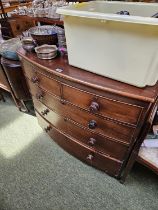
(117,110)
(114,109)
(86,154)
(107,128)
(90,139)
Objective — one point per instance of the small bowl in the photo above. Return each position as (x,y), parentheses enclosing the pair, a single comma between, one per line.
(28,44)
(46,51)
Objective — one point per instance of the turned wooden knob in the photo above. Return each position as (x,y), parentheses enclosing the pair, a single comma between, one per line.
(48,128)
(92,141)
(35,79)
(90,157)
(39,95)
(94,107)
(92,124)
(45,112)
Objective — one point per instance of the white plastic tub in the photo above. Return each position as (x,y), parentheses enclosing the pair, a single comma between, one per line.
(121,47)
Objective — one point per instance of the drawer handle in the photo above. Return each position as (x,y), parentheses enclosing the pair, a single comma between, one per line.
(39,96)
(45,112)
(90,157)
(48,128)
(92,124)
(92,141)
(94,107)
(35,79)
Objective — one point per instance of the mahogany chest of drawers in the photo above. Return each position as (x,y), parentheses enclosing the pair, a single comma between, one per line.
(98,120)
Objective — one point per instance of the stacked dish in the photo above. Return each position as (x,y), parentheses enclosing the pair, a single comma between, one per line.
(46,51)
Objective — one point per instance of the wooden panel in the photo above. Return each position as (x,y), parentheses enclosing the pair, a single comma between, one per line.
(112,148)
(107,107)
(83,153)
(107,128)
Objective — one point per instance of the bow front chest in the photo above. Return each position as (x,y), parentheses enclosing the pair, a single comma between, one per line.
(96,119)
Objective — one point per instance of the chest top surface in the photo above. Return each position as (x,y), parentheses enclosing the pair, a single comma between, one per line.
(148,94)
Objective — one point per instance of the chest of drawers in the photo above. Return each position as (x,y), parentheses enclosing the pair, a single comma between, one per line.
(98,120)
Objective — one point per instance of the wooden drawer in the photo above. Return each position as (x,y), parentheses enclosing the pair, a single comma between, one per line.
(44,83)
(97,142)
(41,80)
(47,84)
(108,128)
(117,110)
(91,157)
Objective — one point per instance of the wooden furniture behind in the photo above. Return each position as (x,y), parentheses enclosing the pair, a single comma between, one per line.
(39,19)
(13,81)
(12,27)
(98,120)
(148,156)
(13,6)
(17,25)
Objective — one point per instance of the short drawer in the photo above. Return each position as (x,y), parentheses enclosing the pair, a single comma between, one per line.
(114,109)
(41,80)
(105,127)
(91,157)
(97,142)
(55,87)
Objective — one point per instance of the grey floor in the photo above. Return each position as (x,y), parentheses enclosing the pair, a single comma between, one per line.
(35,173)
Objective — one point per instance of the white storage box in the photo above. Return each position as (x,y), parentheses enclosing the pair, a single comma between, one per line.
(121,47)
